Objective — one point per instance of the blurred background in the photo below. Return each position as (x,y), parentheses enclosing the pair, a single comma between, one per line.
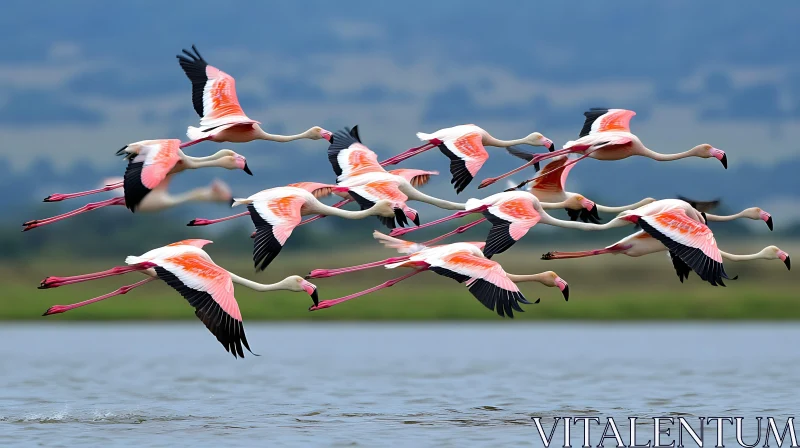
(79,80)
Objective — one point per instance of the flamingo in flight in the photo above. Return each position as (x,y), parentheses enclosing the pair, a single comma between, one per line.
(221,117)
(551,187)
(512,214)
(754,213)
(463,262)
(158,199)
(187,268)
(357,169)
(277,211)
(464,146)
(606,135)
(151,164)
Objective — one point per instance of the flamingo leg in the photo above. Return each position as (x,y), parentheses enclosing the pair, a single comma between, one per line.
(536,159)
(194,142)
(386,284)
(323,273)
(54,282)
(410,153)
(586,253)
(460,229)
(461,214)
(571,162)
(336,205)
(204,222)
(56,197)
(489,181)
(56,309)
(86,208)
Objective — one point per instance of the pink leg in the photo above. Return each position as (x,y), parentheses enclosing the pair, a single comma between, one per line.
(55,309)
(55,197)
(204,222)
(336,205)
(86,208)
(194,142)
(536,159)
(586,253)
(545,173)
(54,282)
(461,229)
(386,284)
(489,181)
(324,273)
(410,153)
(398,232)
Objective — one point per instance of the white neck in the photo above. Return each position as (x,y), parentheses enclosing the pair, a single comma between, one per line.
(322,209)
(549,220)
(667,157)
(527,278)
(258,286)
(204,194)
(711,217)
(282,138)
(191,163)
(416,195)
(488,140)
(757,256)
(554,205)
(622,208)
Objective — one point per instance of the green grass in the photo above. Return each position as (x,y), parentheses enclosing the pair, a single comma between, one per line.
(603,288)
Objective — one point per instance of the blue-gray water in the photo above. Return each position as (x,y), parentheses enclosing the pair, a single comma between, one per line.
(378,384)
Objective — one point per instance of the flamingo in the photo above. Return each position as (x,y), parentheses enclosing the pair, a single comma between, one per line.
(277,211)
(158,199)
(151,163)
(754,213)
(551,187)
(642,243)
(187,268)
(512,214)
(464,146)
(606,135)
(463,262)
(221,117)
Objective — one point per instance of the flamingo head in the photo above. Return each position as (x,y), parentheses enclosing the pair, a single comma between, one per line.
(587,207)
(220,191)
(552,279)
(757,213)
(318,133)
(707,151)
(775,253)
(299,284)
(537,139)
(234,161)
(411,214)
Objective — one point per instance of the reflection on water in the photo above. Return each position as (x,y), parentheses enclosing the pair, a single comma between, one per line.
(367,384)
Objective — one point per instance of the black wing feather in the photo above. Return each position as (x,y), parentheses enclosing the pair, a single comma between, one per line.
(499,238)
(132,185)
(458,168)
(340,141)
(195,68)
(389,222)
(495,298)
(591,116)
(265,246)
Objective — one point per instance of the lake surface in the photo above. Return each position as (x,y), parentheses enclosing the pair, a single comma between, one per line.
(354,384)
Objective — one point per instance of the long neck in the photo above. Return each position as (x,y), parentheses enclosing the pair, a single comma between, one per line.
(193,163)
(417,195)
(527,278)
(196,195)
(622,208)
(491,141)
(547,219)
(667,157)
(281,138)
(323,209)
(553,205)
(734,257)
(255,285)
(711,217)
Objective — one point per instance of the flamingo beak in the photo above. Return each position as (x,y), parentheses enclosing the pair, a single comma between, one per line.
(311,289)
(327,135)
(767,218)
(784,256)
(564,287)
(413,215)
(246,169)
(720,155)
(549,144)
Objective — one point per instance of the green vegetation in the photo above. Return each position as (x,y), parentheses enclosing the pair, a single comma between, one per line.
(602,288)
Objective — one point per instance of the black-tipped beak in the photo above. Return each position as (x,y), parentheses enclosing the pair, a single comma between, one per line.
(416,219)
(191,223)
(788,263)
(231,202)
(724,161)
(565,291)
(537,166)
(769,223)
(552,147)
(315,297)
(247,169)
(537,301)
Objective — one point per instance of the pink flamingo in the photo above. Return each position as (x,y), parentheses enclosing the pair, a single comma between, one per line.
(512,214)
(606,135)
(754,213)
(151,163)
(551,187)
(464,146)
(463,262)
(158,199)
(221,117)
(187,268)
(277,211)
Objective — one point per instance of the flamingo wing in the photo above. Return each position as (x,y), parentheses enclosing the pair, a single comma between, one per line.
(369,194)
(553,176)
(349,157)
(691,241)
(467,156)
(606,120)
(152,163)
(213,91)
(416,178)
(511,220)
(275,218)
(485,279)
(319,190)
(209,289)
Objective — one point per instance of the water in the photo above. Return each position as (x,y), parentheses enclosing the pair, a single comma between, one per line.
(371,385)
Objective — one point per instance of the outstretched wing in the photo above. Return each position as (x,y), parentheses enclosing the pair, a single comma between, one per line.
(349,157)
(606,120)
(275,218)
(510,220)
(691,241)
(553,176)
(416,178)
(209,289)
(467,156)
(152,163)
(701,206)
(369,194)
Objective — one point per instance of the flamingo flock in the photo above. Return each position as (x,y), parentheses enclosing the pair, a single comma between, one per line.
(678,226)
